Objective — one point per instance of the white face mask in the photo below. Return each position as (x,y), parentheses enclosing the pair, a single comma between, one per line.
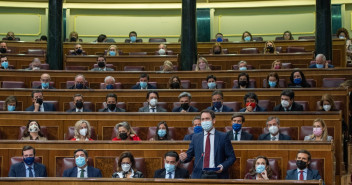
(33,128)
(285,103)
(125,167)
(273,130)
(83,131)
(327,107)
(153,102)
(162,51)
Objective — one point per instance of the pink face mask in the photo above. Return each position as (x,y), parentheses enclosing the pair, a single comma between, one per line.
(277,67)
(317,131)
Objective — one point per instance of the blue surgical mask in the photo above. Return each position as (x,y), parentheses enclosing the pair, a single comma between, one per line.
(260,168)
(243,68)
(133,38)
(11,108)
(169,167)
(197,129)
(272,84)
(143,84)
(207,125)
(219,39)
(110,86)
(79,86)
(297,80)
(236,127)
(212,85)
(45,85)
(341,37)
(161,133)
(28,160)
(217,104)
(80,161)
(320,65)
(112,53)
(248,38)
(5,64)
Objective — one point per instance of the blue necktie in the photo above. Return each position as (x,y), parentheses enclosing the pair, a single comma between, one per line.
(153,109)
(30,172)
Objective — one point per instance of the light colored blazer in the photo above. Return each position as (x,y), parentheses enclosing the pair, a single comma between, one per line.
(307,138)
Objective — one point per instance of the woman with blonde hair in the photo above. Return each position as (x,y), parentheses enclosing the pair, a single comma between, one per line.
(276,64)
(112,51)
(82,131)
(320,131)
(202,65)
(168,66)
(217,49)
(270,47)
(125,132)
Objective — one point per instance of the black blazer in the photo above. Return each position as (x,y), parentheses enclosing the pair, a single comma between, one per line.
(117,110)
(224,109)
(74,110)
(295,107)
(267,137)
(19,170)
(74,87)
(188,137)
(244,135)
(191,109)
(40,87)
(180,173)
(92,172)
(137,86)
(47,107)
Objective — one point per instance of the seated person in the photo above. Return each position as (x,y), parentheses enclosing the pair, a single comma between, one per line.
(162,49)
(33,132)
(287,102)
(45,82)
(74,37)
(125,132)
(127,167)
(342,33)
(109,82)
(112,51)
(82,170)
(78,50)
(111,103)
(276,64)
(143,82)
(298,80)
(219,37)
(133,36)
(251,102)
(78,101)
(80,82)
(185,100)
(320,131)
(3,47)
(287,35)
(246,36)
(320,62)
(326,103)
(211,82)
(272,80)
(38,104)
(43,38)
(162,132)
(237,134)
(82,131)
(243,81)
(174,83)
(269,47)
(273,125)
(260,170)
(28,168)
(242,65)
(35,65)
(4,63)
(197,128)
(171,169)
(202,65)
(103,38)
(217,49)
(10,104)
(152,99)
(168,66)
(303,172)
(217,103)
(11,36)
(101,61)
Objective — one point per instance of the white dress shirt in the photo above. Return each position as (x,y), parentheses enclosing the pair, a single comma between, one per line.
(167,175)
(27,170)
(276,137)
(85,172)
(238,135)
(79,110)
(305,171)
(212,153)
(151,109)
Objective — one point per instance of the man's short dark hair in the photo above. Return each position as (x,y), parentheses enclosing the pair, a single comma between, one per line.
(211,76)
(305,152)
(27,147)
(195,118)
(250,95)
(111,95)
(77,95)
(238,115)
(36,91)
(150,92)
(83,150)
(219,34)
(101,56)
(44,37)
(218,93)
(3,56)
(212,113)
(131,33)
(289,93)
(101,37)
(143,75)
(172,154)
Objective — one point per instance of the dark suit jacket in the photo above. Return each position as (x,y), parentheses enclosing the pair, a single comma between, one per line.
(223,154)
(191,109)
(40,87)
(146,109)
(224,108)
(311,175)
(137,86)
(295,107)
(188,137)
(244,135)
(267,137)
(315,66)
(180,173)
(74,87)
(47,107)
(117,110)
(19,170)
(74,110)
(258,109)
(92,172)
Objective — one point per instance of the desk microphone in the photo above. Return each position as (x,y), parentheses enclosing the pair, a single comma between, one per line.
(197,163)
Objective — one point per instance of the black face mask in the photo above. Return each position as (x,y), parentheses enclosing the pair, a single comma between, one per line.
(175,85)
(3,50)
(9,38)
(301,164)
(270,49)
(101,64)
(73,39)
(217,52)
(79,104)
(185,106)
(242,83)
(123,136)
(79,51)
(40,101)
(111,106)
